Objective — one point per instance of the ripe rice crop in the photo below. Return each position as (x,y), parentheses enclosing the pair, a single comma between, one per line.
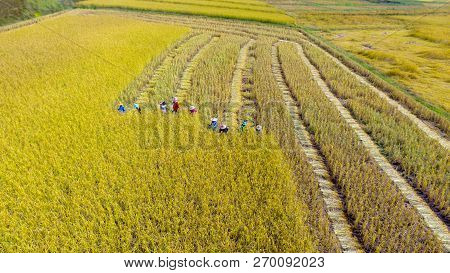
(230,10)
(78,177)
(433,33)
(211,78)
(168,82)
(421,108)
(378,210)
(421,159)
(135,89)
(273,115)
(221,4)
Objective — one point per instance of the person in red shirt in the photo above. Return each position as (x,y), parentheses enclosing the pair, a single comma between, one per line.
(175,107)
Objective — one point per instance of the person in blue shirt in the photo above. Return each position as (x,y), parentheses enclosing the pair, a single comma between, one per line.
(121,109)
(214,124)
(137,107)
(244,124)
(163,107)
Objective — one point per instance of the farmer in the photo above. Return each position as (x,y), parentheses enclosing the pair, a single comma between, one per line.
(121,108)
(243,125)
(163,107)
(223,129)
(192,109)
(137,107)
(214,123)
(175,106)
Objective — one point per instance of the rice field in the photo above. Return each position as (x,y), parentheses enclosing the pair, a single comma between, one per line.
(340,164)
(97,178)
(243,10)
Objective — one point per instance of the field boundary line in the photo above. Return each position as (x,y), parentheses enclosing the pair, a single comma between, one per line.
(194,19)
(235,104)
(196,27)
(431,132)
(234,27)
(186,78)
(212,6)
(435,224)
(333,203)
(33,21)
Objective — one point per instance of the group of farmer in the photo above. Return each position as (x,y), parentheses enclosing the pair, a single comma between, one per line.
(122,108)
(162,105)
(175,106)
(214,125)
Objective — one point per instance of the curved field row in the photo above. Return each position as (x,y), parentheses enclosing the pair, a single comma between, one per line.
(432,221)
(186,78)
(333,203)
(420,159)
(167,84)
(158,74)
(137,87)
(231,117)
(431,132)
(379,211)
(211,92)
